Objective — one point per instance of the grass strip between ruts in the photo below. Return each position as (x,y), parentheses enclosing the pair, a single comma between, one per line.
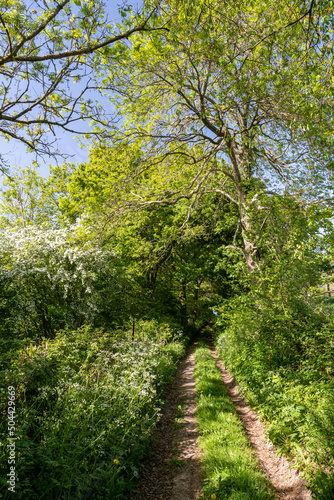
(229,466)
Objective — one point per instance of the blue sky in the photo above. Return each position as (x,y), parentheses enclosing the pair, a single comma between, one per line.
(14,152)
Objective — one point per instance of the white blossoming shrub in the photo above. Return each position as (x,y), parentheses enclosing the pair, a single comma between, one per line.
(49,279)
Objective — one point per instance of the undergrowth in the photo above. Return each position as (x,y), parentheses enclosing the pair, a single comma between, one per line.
(293,393)
(86,403)
(229,466)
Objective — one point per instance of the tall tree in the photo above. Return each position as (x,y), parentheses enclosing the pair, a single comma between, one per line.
(24,200)
(240,91)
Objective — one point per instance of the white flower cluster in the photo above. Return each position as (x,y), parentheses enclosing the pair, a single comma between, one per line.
(50,275)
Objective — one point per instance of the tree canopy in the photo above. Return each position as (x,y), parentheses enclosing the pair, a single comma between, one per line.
(208,198)
(47,53)
(229,89)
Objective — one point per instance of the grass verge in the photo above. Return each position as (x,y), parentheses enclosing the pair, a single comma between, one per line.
(230,468)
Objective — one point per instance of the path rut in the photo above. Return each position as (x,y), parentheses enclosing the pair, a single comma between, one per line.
(161,480)
(284,477)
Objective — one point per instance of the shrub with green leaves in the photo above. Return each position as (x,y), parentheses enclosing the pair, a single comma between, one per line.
(86,403)
(284,364)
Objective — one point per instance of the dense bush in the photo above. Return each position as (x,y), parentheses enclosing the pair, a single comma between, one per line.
(86,404)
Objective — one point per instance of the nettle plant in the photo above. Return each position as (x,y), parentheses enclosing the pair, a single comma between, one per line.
(49,279)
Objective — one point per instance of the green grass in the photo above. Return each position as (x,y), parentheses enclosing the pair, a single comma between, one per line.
(176,462)
(230,468)
(178,421)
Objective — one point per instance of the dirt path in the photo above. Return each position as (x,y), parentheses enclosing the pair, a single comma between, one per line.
(173,472)
(282,474)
